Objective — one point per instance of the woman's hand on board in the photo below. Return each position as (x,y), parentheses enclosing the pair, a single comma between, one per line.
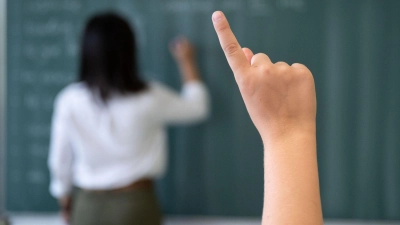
(184,54)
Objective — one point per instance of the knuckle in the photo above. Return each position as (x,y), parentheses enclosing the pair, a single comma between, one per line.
(303,72)
(306,77)
(265,69)
(283,68)
(300,67)
(261,55)
(260,59)
(231,48)
(300,71)
(280,63)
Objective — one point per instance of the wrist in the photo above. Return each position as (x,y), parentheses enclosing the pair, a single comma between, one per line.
(64,201)
(186,62)
(189,71)
(287,133)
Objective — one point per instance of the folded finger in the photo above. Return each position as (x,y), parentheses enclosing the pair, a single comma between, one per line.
(260,59)
(248,53)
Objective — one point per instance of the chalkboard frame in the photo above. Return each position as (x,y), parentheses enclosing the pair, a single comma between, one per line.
(3,86)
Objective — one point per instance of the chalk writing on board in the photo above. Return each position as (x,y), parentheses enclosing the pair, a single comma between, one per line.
(188,6)
(71,47)
(202,6)
(42,53)
(39,150)
(71,40)
(57,77)
(45,6)
(32,101)
(38,130)
(296,5)
(47,77)
(47,102)
(46,28)
(27,77)
(36,177)
(260,7)
(229,6)
(178,6)
(139,26)
(38,102)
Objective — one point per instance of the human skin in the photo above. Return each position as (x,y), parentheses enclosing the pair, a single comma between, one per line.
(281,102)
(185,57)
(65,204)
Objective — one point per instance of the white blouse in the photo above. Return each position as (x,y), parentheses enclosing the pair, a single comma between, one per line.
(105,146)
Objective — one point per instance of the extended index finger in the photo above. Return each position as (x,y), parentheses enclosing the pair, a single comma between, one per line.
(233,52)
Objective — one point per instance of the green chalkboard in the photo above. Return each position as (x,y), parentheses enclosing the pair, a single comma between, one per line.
(216,168)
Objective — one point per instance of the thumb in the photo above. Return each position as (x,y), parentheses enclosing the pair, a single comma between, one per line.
(248,53)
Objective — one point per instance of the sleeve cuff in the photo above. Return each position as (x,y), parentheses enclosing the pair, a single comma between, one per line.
(57,190)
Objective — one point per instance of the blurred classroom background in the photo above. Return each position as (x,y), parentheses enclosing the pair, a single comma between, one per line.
(215,173)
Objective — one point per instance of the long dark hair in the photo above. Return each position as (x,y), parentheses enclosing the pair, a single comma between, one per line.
(108,57)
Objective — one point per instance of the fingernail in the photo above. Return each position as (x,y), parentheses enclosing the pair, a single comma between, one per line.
(217,16)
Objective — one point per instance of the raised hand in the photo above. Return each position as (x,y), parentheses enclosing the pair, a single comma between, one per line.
(282,104)
(278,97)
(185,56)
(182,49)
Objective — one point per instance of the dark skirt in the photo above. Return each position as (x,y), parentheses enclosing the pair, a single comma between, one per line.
(133,207)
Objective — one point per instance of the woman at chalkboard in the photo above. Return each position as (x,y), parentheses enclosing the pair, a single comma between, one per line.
(108,132)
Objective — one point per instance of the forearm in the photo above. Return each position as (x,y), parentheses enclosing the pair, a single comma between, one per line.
(291,183)
(189,70)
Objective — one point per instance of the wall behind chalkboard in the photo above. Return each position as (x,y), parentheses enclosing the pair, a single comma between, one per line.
(351,47)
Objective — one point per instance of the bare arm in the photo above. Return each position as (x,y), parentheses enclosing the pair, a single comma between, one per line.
(185,57)
(281,102)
